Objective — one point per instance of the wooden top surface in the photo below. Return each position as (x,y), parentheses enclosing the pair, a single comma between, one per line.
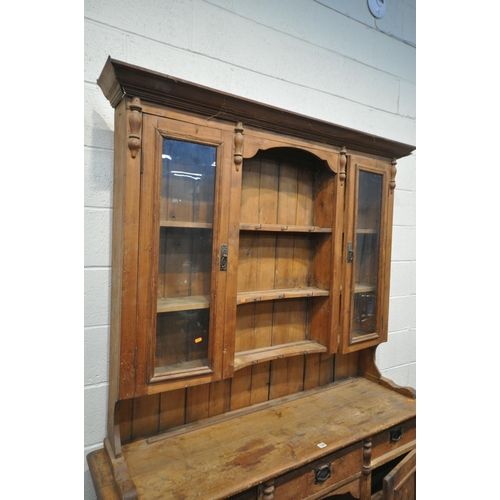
(230,453)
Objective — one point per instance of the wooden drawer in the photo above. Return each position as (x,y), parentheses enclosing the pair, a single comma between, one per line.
(308,481)
(250,494)
(390,443)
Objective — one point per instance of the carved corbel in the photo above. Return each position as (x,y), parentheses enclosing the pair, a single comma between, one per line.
(238,145)
(135,125)
(392,182)
(343,163)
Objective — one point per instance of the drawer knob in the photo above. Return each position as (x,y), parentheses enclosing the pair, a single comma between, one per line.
(321,474)
(396,434)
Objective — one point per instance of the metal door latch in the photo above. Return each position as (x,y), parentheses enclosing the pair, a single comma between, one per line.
(223,258)
(350,252)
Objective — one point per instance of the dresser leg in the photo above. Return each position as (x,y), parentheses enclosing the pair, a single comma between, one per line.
(266,490)
(366,476)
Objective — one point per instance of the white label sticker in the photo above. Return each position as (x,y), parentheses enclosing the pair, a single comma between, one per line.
(321,445)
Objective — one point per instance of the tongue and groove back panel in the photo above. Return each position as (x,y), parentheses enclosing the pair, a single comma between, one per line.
(275,193)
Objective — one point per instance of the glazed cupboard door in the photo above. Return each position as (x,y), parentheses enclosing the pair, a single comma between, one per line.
(182,242)
(367,252)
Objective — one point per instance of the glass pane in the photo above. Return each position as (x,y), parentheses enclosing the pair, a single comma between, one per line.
(188,175)
(181,341)
(367,253)
(185,256)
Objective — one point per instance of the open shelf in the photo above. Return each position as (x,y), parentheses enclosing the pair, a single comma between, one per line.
(246,358)
(292,228)
(285,257)
(280,293)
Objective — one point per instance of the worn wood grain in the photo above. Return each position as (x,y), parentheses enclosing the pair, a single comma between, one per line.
(234,454)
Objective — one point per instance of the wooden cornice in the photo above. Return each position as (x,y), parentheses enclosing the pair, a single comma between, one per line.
(119,79)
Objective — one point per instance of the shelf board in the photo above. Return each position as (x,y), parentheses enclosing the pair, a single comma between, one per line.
(364,287)
(183,303)
(180,368)
(246,226)
(366,231)
(246,358)
(280,293)
(185,224)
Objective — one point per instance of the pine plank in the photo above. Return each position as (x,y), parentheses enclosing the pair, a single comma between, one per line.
(247,263)
(260,383)
(281,293)
(250,186)
(228,454)
(186,224)
(265,255)
(245,327)
(198,407)
(287,376)
(305,197)
(311,371)
(287,196)
(172,409)
(284,261)
(233,454)
(254,356)
(290,228)
(220,393)
(183,303)
(268,192)
(241,389)
(102,476)
(145,416)
(263,332)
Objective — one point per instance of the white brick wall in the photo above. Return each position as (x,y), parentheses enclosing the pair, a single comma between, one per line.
(329,59)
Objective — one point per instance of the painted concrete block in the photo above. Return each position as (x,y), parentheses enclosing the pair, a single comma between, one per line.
(403,278)
(169,22)
(369,86)
(404,208)
(96,352)
(268,90)
(360,117)
(403,375)
(292,16)
(402,314)
(403,243)
(97,288)
(399,350)
(98,177)
(407,103)
(97,231)
(180,63)
(406,173)
(95,400)
(235,40)
(98,118)
(100,42)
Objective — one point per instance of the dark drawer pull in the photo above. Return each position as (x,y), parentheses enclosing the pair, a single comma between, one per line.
(323,473)
(396,434)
